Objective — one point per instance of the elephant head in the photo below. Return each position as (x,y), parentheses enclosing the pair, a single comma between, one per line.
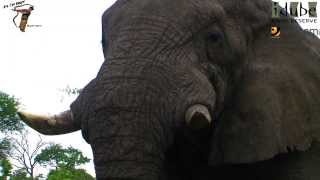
(191,82)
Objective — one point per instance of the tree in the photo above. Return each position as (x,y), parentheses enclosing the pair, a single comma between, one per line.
(5,148)
(56,156)
(64,160)
(20,174)
(24,154)
(69,174)
(71,91)
(9,120)
(5,169)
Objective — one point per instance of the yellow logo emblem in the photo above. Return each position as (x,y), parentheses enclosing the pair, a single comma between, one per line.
(275,32)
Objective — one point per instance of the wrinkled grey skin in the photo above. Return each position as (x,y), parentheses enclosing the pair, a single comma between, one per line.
(163,56)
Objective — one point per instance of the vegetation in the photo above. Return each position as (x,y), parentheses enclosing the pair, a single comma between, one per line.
(58,157)
(5,148)
(64,162)
(20,174)
(19,157)
(71,91)
(69,174)
(25,154)
(9,120)
(5,168)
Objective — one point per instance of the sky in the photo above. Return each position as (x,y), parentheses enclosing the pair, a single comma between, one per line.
(61,48)
(64,51)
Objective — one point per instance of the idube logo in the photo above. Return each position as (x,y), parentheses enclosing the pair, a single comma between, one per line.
(302,12)
(296,9)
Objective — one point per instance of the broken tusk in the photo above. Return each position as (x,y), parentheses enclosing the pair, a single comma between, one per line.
(198,117)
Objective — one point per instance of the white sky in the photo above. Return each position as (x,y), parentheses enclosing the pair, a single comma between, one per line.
(65,50)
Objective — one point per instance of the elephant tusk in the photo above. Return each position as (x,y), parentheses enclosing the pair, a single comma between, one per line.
(198,117)
(50,125)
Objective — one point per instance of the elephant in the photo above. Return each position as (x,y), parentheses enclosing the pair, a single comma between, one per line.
(199,89)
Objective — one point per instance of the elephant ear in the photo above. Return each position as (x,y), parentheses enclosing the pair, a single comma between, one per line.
(275,106)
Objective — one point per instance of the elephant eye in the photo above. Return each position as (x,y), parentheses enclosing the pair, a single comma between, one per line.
(215,36)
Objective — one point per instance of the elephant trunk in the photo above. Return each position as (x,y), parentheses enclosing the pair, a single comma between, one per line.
(51,125)
(128,135)
(131,145)
(126,158)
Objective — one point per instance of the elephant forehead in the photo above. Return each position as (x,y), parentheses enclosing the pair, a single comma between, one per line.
(190,14)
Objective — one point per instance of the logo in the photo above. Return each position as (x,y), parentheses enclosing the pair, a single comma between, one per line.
(22,12)
(314,31)
(25,11)
(302,12)
(294,10)
(275,32)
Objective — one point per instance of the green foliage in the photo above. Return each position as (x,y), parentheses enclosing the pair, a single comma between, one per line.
(57,156)
(20,175)
(69,174)
(5,148)
(9,120)
(5,168)
(71,91)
